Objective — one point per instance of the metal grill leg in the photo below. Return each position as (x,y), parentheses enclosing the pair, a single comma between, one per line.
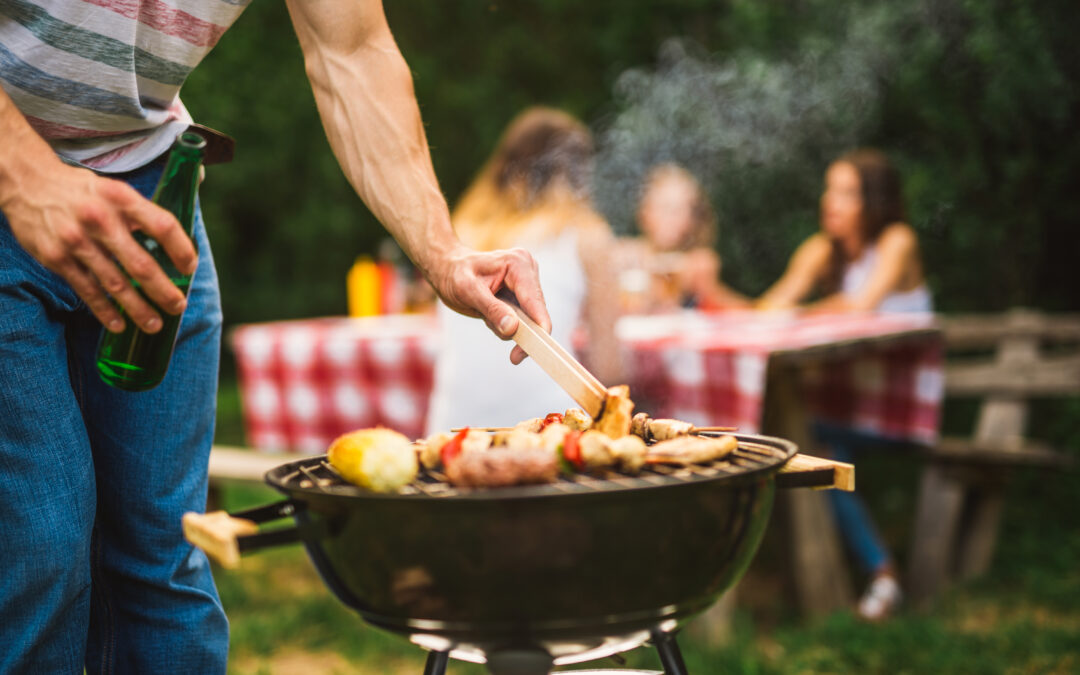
(670,656)
(436,663)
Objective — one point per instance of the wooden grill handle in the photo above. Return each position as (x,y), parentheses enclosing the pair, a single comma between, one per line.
(217,534)
(816,472)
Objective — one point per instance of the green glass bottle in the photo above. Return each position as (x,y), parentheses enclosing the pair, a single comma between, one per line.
(134,360)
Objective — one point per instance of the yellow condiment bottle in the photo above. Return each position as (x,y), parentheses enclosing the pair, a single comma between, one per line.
(363,287)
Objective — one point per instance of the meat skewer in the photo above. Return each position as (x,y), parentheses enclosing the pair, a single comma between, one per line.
(693,429)
(691,450)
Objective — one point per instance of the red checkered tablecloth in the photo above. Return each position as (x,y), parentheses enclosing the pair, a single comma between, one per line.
(878,373)
(305,382)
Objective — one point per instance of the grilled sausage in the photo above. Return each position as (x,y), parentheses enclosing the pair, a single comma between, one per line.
(502,468)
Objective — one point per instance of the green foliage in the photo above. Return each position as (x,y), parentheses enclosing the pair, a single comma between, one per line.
(975,99)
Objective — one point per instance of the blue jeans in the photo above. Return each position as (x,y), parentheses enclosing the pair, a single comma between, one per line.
(852,517)
(94,481)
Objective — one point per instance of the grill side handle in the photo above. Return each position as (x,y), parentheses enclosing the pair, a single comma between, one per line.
(816,472)
(223,536)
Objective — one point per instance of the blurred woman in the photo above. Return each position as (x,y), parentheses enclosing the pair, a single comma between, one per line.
(534,192)
(673,264)
(865,258)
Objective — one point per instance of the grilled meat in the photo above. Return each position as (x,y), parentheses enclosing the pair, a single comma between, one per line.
(614,421)
(577,419)
(691,449)
(485,468)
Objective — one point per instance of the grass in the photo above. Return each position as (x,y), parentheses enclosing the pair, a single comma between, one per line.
(1023,617)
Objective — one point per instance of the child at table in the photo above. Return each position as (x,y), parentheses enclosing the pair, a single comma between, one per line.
(534,192)
(674,263)
(864,258)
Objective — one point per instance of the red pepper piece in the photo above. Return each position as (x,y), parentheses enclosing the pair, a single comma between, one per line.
(552,418)
(572,450)
(452,448)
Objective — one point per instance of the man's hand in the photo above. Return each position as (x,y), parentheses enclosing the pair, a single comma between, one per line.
(467,281)
(79,225)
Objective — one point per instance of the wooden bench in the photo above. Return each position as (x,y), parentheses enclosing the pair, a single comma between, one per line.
(231,463)
(962,488)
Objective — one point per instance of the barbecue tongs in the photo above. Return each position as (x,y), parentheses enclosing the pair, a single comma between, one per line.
(557,362)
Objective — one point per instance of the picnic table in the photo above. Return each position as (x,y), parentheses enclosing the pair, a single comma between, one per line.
(305,382)
(774,373)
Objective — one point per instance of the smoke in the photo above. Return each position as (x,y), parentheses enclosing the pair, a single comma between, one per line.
(757,131)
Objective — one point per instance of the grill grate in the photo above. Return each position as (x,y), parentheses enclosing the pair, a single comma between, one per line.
(317,475)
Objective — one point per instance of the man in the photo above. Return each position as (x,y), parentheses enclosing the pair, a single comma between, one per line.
(93,481)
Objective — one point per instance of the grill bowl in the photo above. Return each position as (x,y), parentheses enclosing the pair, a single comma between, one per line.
(579,568)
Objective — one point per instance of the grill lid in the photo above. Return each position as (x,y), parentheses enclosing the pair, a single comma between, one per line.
(755,455)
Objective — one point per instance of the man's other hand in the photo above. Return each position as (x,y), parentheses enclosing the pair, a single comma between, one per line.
(79,225)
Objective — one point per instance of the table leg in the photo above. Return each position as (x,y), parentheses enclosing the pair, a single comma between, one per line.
(821,575)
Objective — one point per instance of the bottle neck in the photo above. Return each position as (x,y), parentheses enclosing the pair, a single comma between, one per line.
(179,183)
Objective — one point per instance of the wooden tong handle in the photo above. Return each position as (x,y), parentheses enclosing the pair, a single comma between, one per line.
(557,362)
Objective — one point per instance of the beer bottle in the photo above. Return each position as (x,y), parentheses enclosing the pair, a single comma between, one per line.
(134,360)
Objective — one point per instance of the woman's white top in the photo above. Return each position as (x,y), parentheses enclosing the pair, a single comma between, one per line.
(858,274)
(475,383)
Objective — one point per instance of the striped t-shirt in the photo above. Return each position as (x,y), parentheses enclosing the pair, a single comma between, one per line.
(100,79)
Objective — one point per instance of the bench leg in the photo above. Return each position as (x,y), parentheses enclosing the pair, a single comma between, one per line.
(979,538)
(937,519)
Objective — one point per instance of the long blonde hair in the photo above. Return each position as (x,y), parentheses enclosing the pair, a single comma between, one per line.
(539,173)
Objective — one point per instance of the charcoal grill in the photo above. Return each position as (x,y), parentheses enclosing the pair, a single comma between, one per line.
(528,577)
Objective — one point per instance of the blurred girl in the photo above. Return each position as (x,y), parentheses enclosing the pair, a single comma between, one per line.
(534,192)
(864,258)
(674,263)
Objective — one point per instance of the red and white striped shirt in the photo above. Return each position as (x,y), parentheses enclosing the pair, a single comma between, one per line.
(100,79)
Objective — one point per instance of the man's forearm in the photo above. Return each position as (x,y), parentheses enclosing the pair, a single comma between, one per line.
(365,96)
(364,93)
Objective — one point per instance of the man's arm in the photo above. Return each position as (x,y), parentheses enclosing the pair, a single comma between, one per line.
(365,97)
(79,225)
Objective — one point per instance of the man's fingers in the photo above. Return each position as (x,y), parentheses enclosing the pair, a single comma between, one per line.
(522,278)
(86,287)
(165,229)
(146,273)
(517,355)
(117,285)
(498,315)
(161,226)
